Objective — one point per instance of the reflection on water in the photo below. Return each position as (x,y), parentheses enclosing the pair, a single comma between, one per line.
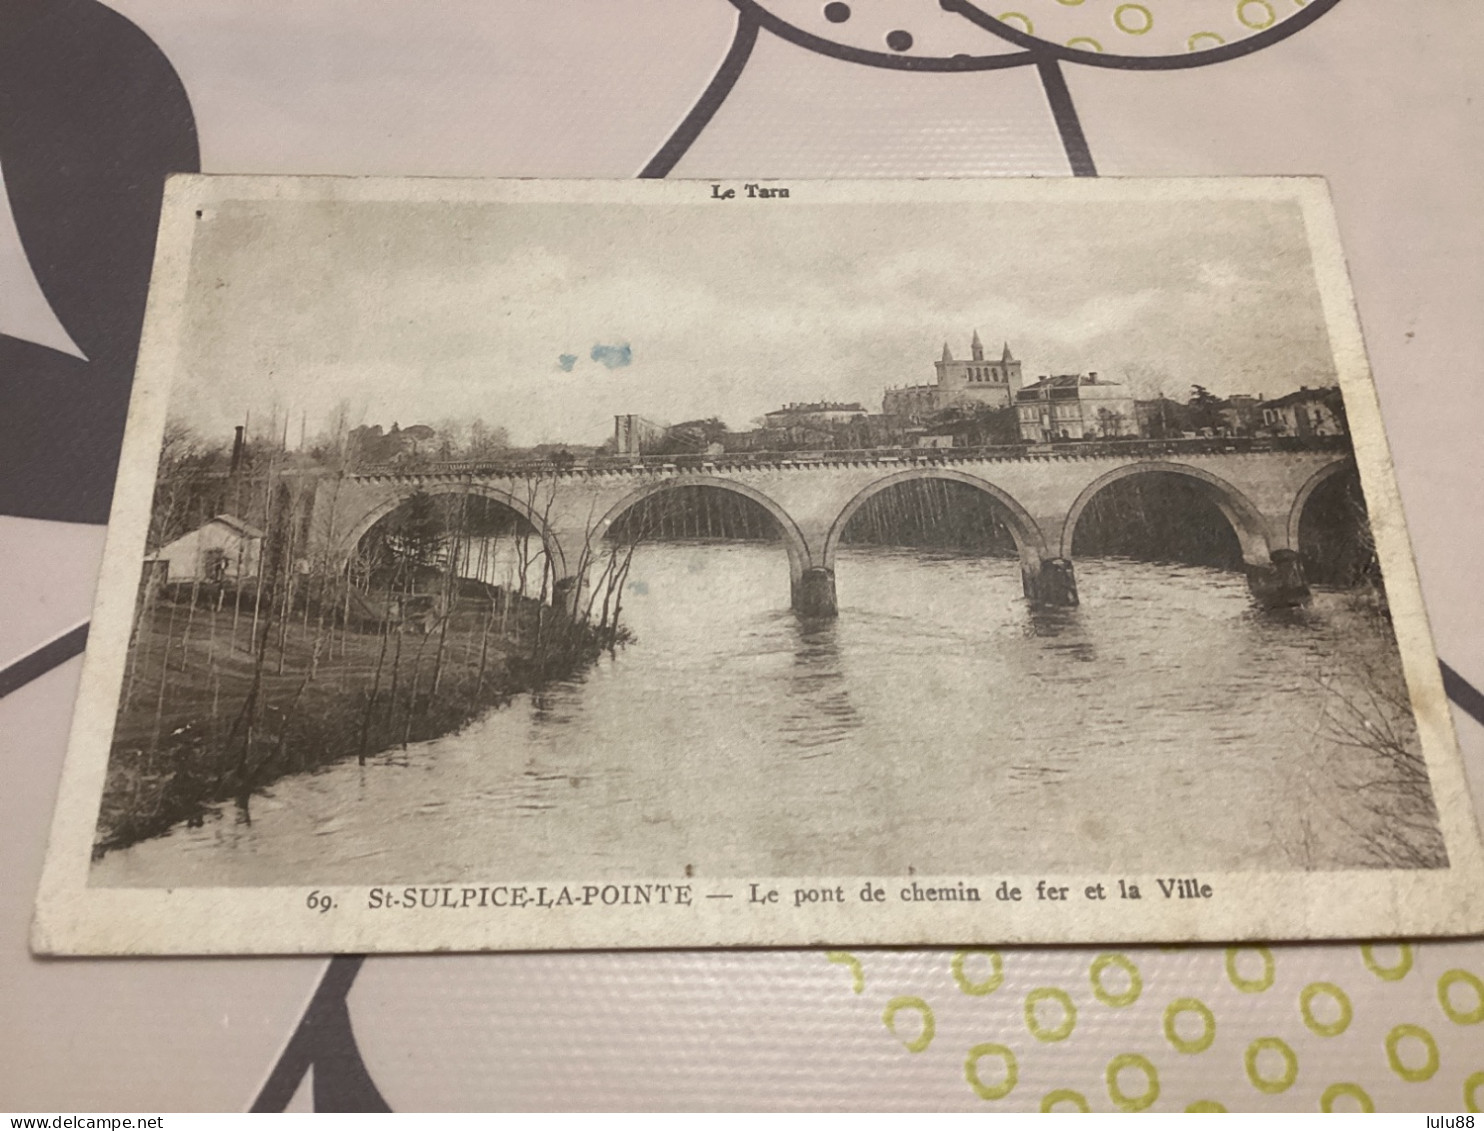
(939,724)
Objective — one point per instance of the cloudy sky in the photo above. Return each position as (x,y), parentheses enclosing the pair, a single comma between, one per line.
(548,319)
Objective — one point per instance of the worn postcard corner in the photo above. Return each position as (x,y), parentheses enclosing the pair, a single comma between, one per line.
(524,564)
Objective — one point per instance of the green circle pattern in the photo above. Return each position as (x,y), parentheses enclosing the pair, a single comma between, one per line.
(1271,1085)
(1107,997)
(1063,1029)
(1266,20)
(1064,1096)
(889,1018)
(1461,1016)
(991,1091)
(1388,973)
(1354,1091)
(1122,1100)
(1393,1053)
(978,989)
(1325,1028)
(1268,1084)
(1471,1088)
(1133,19)
(1208,1022)
(1251,985)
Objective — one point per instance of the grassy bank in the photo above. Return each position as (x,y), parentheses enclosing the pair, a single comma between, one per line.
(218,704)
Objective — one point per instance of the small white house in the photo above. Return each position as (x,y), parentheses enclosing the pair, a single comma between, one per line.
(223,549)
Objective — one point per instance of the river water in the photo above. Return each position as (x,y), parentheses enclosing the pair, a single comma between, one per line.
(939,725)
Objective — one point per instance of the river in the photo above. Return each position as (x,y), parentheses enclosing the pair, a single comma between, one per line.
(938,725)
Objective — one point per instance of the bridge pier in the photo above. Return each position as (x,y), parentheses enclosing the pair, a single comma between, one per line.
(1050,582)
(1281,584)
(814,593)
(566,595)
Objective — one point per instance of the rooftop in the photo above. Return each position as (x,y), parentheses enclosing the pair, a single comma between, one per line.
(1303,394)
(246,529)
(819,406)
(1065,383)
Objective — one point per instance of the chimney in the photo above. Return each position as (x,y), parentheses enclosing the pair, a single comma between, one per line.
(237,446)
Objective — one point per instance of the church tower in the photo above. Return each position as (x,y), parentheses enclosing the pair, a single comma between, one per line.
(953,375)
(1007,372)
(977,379)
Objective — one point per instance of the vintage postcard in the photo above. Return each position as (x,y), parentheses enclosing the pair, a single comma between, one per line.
(549,564)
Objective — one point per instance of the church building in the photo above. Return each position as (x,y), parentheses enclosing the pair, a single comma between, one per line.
(974,380)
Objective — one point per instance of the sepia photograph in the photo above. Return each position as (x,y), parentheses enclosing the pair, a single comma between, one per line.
(727,546)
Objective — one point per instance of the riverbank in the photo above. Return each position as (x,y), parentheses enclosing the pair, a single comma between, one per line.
(213,711)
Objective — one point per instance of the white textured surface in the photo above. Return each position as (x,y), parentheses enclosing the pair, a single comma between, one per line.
(786,1029)
(1376,100)
(50,569)
(797,114)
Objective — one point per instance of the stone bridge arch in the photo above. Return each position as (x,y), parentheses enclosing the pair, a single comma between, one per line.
(794,543)
(1274,572)
(1246,520)
(347,543)
(1023,528)
(1030,541)
(1301,500)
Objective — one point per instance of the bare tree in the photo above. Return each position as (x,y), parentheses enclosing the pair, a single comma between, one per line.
(1386,795)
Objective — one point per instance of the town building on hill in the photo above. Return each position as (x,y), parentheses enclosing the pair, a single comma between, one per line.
(634,434)
(1161,418)
(1241,415)
(1308,412)
(1075,406)
(975,380)
(814,414)
(797,437)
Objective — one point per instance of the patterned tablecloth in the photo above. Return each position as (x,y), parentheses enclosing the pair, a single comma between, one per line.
(1378,97)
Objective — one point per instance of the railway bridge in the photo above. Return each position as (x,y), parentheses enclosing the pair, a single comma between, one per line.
(1040,495)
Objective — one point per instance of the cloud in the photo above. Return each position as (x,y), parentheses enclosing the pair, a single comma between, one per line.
(409,315)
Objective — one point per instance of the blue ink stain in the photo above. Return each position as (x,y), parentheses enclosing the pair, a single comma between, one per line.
(614,357)
(639,587)
(567,361)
